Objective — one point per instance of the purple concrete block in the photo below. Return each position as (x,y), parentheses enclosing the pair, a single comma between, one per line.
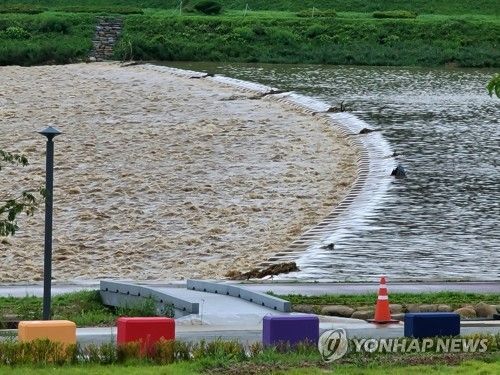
(290,328)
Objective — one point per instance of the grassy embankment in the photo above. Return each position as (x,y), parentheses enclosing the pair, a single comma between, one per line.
(462,33)
(85,308)
(276,364)
(44,38)
(454,299)
(486,7)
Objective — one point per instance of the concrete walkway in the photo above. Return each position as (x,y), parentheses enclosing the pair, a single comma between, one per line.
(281,288)
(242,320)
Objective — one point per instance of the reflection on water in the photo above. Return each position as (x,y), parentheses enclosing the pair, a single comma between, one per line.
(443,221)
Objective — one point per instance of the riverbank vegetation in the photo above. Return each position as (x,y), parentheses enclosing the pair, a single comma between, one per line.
(423,33)
(486,7)
(455,299)
(44,38)
(359,40)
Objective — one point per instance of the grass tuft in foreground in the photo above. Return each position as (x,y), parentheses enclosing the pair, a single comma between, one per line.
(228,357)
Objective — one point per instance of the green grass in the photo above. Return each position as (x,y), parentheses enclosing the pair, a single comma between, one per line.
(269,363)
(368,41)
(455,299)
(353,37)
(84,308)
(419,6)
(50,38)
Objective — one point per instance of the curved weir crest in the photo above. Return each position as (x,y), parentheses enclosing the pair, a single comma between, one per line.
(353,214)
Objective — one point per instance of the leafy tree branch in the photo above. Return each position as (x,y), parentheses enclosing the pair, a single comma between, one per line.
(11,207)
(494,85)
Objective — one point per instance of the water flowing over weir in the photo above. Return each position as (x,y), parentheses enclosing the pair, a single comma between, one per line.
(375,164)
(442,221)
(318,262)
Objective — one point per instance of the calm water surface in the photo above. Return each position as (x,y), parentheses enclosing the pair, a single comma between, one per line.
(442,222)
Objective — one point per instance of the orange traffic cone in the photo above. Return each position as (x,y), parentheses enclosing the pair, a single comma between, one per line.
(382,311)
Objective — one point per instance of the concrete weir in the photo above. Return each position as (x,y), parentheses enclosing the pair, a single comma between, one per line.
(375,163)
(374,167)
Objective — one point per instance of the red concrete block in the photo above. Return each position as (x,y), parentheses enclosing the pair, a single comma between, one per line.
(147,330)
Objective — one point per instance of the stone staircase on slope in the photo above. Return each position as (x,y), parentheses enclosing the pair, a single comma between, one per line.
(106,35)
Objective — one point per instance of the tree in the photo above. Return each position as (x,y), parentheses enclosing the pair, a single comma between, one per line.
(11,207)
(494,85)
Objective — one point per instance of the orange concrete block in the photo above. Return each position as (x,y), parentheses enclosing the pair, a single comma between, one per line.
(55,330)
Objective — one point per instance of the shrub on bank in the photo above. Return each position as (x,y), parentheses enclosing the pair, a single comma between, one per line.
(44,38)
(395,14)
(208,7)
(15,32)
(21,8)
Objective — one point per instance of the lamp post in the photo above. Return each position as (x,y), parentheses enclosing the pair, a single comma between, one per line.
(49,132)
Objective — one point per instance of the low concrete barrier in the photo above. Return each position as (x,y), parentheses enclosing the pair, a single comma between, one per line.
(146,330)
(128,295)
(291,329)
(62,331)
(421,325)
(261,299)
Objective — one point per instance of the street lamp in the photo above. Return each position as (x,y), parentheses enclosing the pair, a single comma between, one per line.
(49,132)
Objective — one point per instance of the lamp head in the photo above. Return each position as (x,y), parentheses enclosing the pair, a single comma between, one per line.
(50,132)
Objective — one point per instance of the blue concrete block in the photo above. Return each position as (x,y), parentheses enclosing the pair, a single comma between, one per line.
(420,325)
(290,328)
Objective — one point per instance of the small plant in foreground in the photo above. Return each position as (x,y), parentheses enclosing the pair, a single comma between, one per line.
(42,352)
(128,351)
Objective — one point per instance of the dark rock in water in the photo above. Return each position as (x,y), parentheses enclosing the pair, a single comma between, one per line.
(340,108)
(130,63)
(366,131)
(330,246)
(399,172)
(203,76)
(263,94)
(256,273)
